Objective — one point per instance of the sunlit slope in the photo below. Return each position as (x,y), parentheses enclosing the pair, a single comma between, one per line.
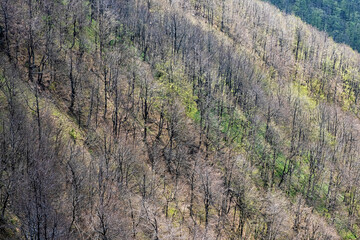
(175,120)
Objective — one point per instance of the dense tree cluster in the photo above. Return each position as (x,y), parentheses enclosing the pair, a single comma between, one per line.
(339,18)
(174,120)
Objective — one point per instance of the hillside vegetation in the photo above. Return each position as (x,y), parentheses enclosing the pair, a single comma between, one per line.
(339,18)
(134,119)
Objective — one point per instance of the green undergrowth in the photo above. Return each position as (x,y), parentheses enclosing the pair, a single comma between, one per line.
(231,124)
(304,94)
(175,85)
(9,227)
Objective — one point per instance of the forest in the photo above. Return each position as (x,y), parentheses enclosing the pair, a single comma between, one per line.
(339,18)
(175,119)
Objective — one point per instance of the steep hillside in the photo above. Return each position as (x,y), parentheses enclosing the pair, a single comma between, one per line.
(340,18)
(175,120)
